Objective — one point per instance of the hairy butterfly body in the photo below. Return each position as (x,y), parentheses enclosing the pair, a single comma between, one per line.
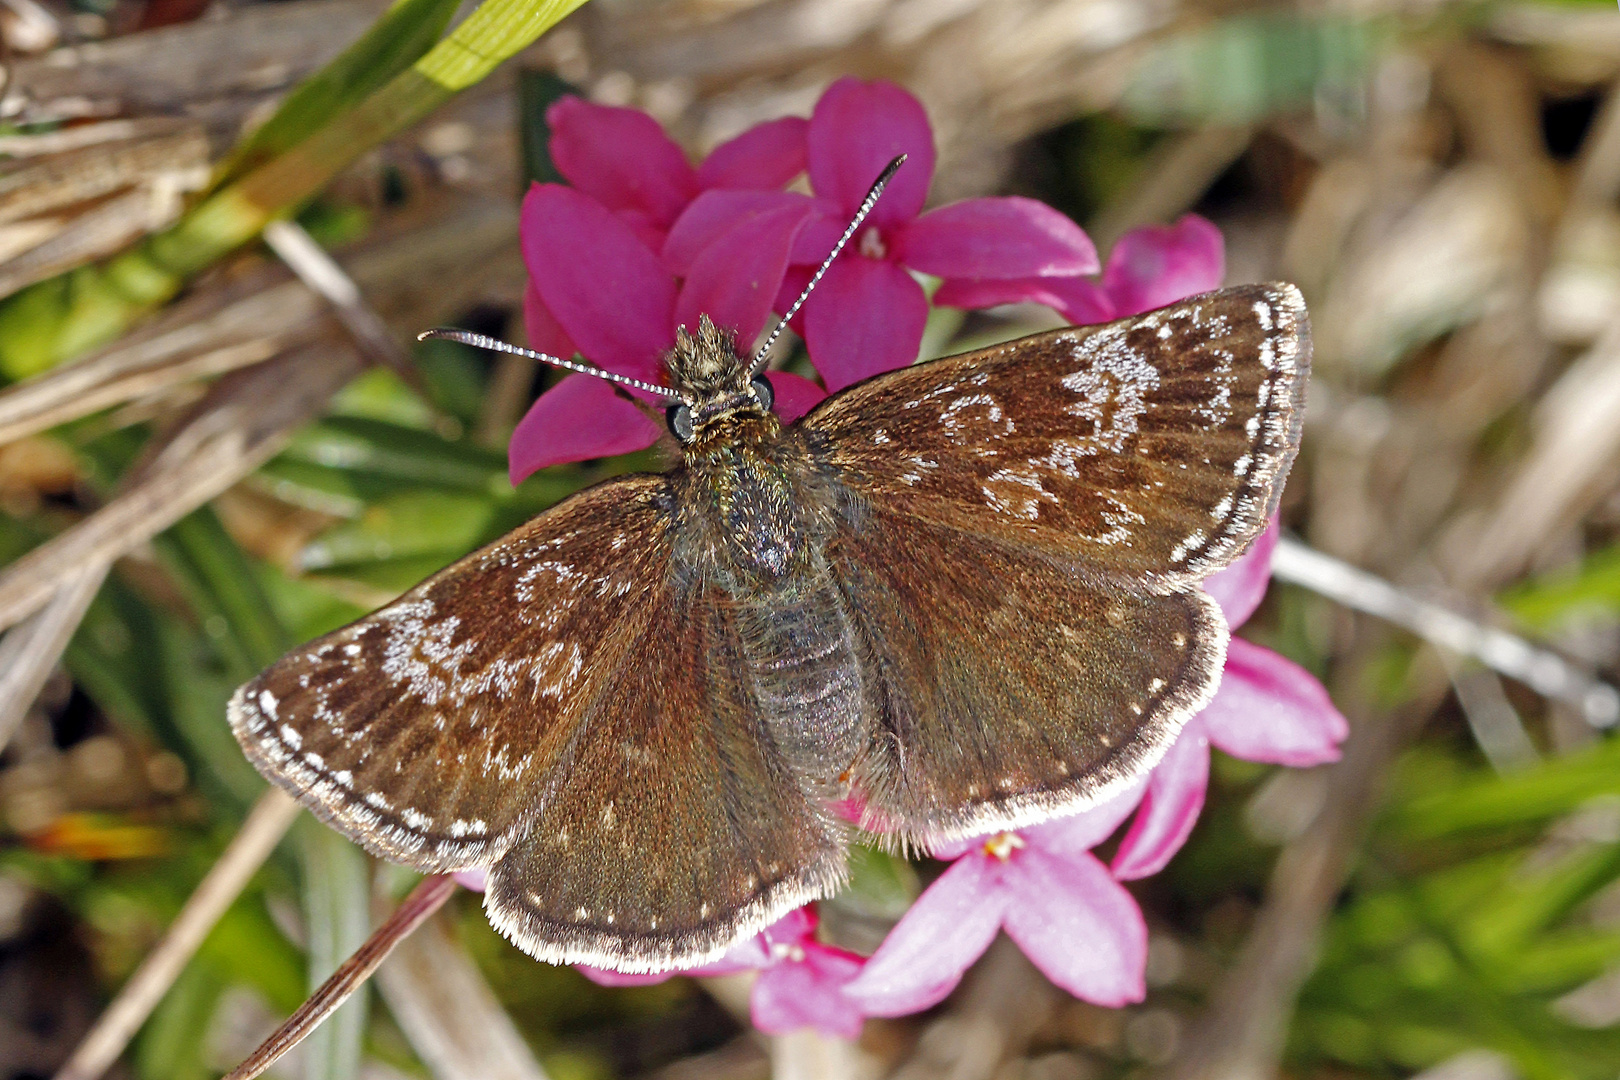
(962,595)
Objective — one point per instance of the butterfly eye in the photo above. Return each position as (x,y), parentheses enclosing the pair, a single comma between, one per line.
(679,419)
(765,393)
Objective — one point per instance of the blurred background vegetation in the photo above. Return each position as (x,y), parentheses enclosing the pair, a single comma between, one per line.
(1440,176)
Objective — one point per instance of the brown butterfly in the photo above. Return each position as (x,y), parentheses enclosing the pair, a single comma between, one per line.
(963,596)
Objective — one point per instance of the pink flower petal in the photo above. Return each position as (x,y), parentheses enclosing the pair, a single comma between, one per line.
(1241,586)
(1078,299)
(749,955)
(1175,796)
(857,129)
(947,928)
(865,317)
(607,977)
(714,213)
(794,928)
(578,419)
(734,280)
(471,880)
(795,396)
(1270,709)
(1079,926)
(544,332)
(1010,237)
(1076,834)
(1158,265)
(765,156)
(621,158)
(804,993)
(827,223)
(609,293)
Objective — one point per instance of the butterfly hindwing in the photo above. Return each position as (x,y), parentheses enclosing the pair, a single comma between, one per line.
(1010,688)
(1147,450)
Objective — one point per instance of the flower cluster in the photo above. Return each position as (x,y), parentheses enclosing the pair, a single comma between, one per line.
(642,242)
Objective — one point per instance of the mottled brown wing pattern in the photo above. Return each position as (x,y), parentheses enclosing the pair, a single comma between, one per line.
(673,825)
(1010,687)
(1146,450)
(424,730)
(566,706)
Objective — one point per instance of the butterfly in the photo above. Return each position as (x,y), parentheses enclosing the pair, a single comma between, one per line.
(955,598)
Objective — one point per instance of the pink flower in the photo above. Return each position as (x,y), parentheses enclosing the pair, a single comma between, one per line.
(1042,885)
(801,981)
(1267,709)
(624,160)
(598,289)
(598,282)
(867,314)
(1149,268)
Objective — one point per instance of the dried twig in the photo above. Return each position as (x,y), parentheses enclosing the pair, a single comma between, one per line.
(318,270)
(1543,671)
(258,836)
(30,650)
(423,901)
(248,321)
(448,1012)
(238,426)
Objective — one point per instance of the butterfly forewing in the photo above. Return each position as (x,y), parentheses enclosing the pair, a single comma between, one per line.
(560,704)
(1011,688)
(1146,450)
(424,731)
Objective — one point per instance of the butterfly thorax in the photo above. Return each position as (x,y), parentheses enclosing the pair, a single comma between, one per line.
(749,521)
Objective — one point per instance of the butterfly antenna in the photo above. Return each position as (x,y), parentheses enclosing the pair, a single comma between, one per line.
(855,223)
(467,337)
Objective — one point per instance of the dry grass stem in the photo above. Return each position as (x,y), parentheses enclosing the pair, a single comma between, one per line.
(416,908)
(216,68)
(1172,180)
(177,157)
(236,428)
(251,319)
(1568,469)
(318,270)
(1541,670)
(31,649)
(448,1012)
(260,832)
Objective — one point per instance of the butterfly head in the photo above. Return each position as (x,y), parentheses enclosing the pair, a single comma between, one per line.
(714,384)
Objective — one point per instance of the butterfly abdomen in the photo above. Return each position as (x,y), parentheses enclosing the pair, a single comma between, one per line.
(800,648)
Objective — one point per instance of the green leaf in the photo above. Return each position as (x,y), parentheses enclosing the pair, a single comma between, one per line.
(537,89)
(1245,67)
(170,1046)
(337,914)
(382,457)
(1550,601)
(219,581)
(394,43)
(437,525)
